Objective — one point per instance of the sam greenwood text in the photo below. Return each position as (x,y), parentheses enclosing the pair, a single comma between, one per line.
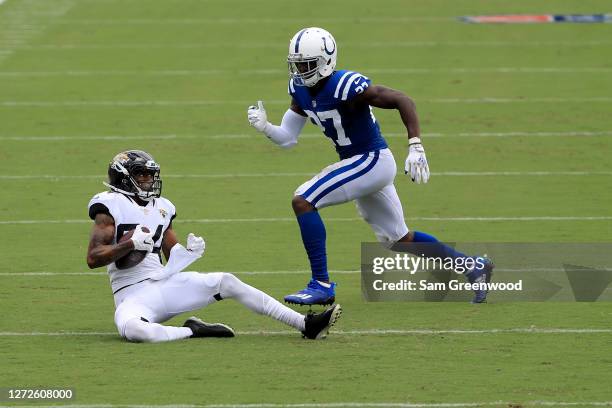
(454,285)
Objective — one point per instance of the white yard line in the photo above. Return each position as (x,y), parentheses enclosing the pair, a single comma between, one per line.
(265,175)
(535,218)
(368,332)
(360,45)
(252,20)
(517,134)
(292,272)
(255,135)
(332,219)
(487,100)
(177,103)
(19,26)
(341,405)
(367,71)
(103,137)
(480,70)
(102,177)
(289,272)
(520,173)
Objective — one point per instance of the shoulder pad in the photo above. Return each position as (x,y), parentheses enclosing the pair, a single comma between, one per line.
(101,203)
(103,197)
(350,85)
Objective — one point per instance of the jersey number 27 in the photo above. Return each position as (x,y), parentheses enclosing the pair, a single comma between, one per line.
(321,118)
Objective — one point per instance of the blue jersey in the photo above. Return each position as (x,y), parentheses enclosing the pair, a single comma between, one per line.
(352,128)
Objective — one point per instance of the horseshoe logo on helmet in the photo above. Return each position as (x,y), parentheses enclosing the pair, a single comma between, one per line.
(325,47)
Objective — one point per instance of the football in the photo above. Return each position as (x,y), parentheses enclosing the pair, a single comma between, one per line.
(132,258)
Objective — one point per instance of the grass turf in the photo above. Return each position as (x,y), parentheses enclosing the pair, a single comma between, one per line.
(98,69)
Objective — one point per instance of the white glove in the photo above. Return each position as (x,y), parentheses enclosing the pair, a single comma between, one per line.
(257,116)
(195,244)
(416,162)
(143,241)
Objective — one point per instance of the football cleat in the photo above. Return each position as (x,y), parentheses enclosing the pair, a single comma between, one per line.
(314,294)
(480,274)
(317,325)
(203,329)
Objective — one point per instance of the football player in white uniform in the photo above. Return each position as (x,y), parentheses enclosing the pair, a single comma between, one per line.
(148,293)
(339,102)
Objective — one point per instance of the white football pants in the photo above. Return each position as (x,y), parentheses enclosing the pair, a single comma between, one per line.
(368,179)
(141,307)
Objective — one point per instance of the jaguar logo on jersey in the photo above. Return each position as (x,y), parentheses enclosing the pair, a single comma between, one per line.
(163,212)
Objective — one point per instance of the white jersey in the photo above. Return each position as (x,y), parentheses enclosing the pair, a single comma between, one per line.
(156,215)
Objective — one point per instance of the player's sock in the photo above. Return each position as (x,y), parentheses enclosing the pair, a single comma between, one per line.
(140,331)
(434,248)
(176,333)
(259,302)
(313,236)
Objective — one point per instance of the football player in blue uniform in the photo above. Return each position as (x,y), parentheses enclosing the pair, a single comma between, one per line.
(340,103)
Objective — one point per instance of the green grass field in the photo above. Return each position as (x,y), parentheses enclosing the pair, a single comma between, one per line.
(81,80)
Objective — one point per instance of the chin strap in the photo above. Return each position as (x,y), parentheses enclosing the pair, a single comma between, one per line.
(128,193)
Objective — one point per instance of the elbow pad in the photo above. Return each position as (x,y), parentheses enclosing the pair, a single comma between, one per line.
(287,133)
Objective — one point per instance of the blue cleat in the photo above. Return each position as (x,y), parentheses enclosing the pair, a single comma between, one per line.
(480,274)
(314,294)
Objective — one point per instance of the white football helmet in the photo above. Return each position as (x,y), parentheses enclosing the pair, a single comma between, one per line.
(312,56)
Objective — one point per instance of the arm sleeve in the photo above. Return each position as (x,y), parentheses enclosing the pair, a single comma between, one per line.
(287,133)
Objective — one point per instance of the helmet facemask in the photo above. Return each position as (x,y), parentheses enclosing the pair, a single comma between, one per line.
(305,71)
(146,191)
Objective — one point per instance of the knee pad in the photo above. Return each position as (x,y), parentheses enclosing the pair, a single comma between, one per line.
(139,331)
(229,285)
